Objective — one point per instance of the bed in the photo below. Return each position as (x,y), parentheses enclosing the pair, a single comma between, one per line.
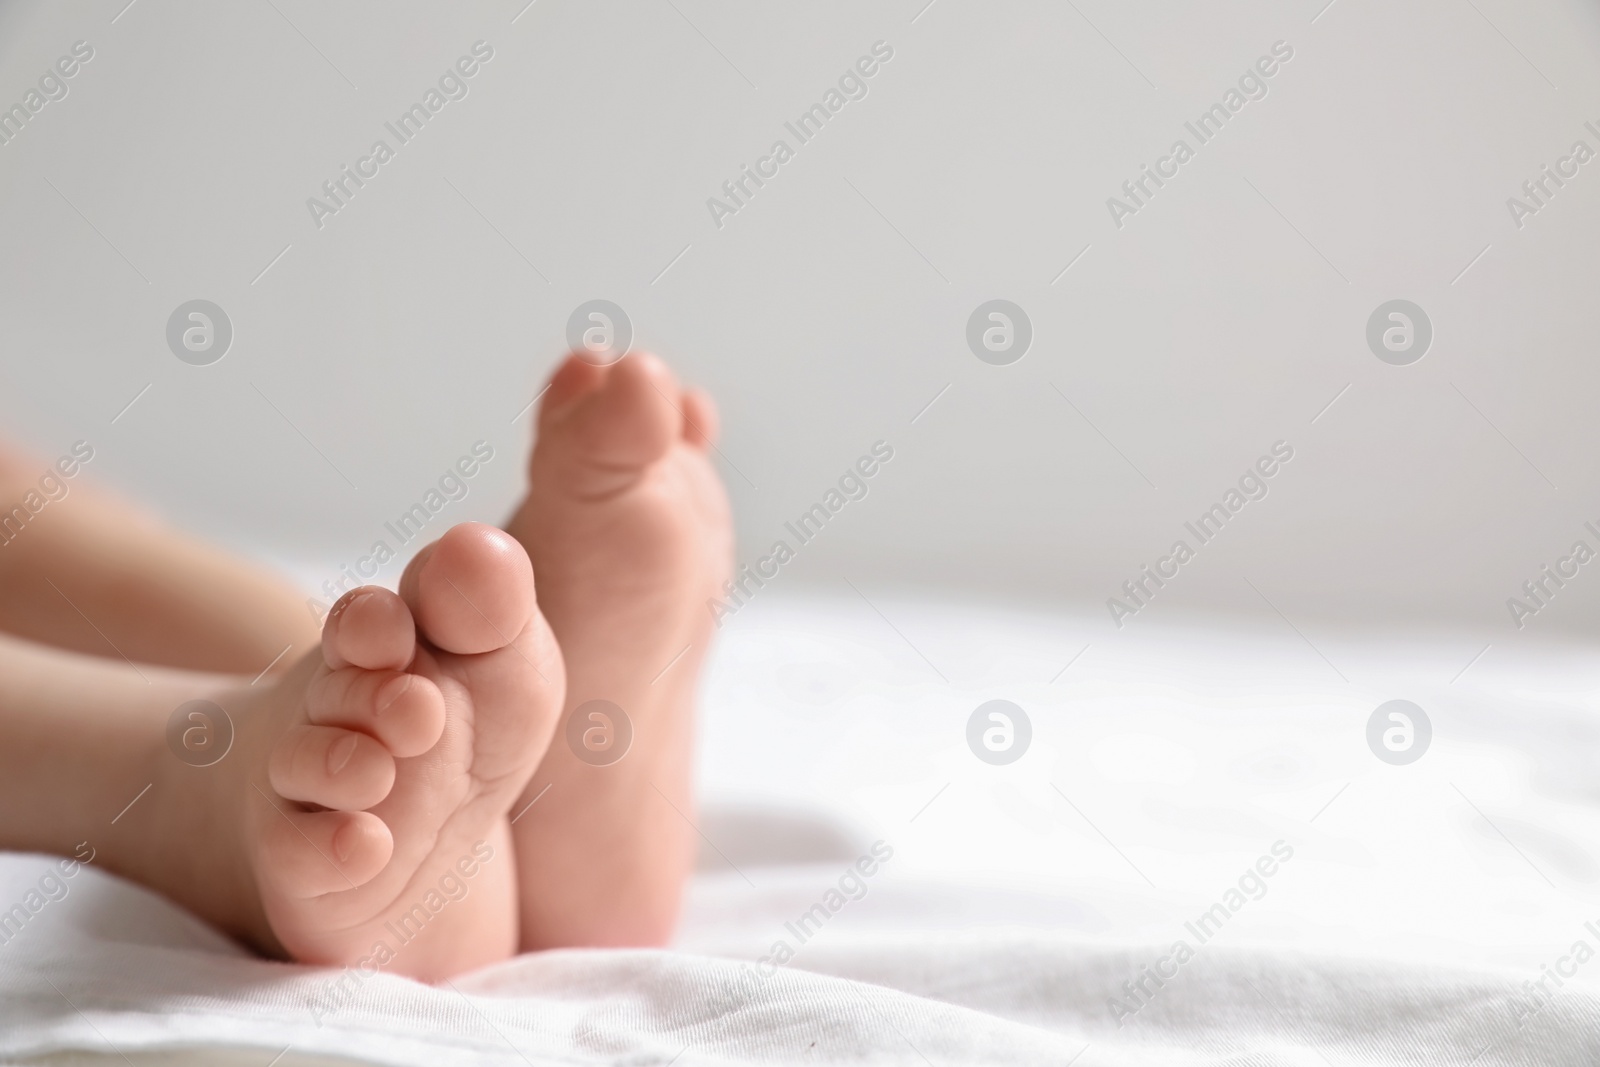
(937,908)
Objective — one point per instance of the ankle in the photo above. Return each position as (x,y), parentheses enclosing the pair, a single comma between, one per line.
(190,845)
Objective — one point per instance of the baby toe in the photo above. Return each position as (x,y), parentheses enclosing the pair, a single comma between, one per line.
(602,440)
(331,767)
(369,627)
(404,711)
(307,854)
(472,590)
(701,424)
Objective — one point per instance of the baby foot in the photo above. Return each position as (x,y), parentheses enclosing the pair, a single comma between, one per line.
(374,779)
(628,526)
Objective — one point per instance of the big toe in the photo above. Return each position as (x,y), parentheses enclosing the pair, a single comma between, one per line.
(600,425)
(471,591)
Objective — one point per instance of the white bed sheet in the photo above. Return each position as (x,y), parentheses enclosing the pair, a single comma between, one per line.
(1019,899)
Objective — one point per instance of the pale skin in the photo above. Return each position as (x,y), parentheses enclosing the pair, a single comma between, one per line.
(419,736)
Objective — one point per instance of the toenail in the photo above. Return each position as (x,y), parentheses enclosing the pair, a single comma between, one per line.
(340,752)
(393,690)
(342,843)
(347,601)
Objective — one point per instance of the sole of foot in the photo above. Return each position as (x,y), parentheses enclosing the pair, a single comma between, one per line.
(628,524)
(363,814)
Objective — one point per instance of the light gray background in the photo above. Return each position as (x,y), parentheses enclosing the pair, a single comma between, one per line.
(825,316)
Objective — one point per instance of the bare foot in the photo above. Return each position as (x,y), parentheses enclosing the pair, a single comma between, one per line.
(362,814)
(628,526)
